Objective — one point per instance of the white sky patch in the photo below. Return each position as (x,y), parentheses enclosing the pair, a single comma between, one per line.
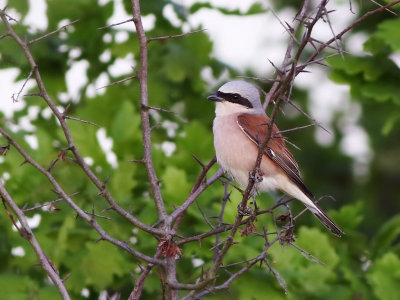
(103,2)
(122,66)
(155,115)
(100,82)
(326,96)
(88,160)
(120,15)
(63,48)
(107,38)
(74,53)
(85,293)
(106,144)
(197,262)
(18,251)
(105,56)
(32,222)
(170,14)
(237,43)
(8,87)
(168,148)
(208,77)
(63,97)
(76,79)
(32,141)
(355,43)
(46,113)
(6,176)
(25,123)
(242,5)
(170,127)
(395,57)
(36,18)
(121,36)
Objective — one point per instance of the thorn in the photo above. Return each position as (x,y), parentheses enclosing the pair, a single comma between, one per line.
(198,160)
(66,277)
(24,162)
(34,94)
(139,161)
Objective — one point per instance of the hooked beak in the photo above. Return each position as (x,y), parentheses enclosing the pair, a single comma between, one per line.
(214,97)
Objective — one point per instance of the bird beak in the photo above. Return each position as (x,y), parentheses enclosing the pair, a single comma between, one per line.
(214,97)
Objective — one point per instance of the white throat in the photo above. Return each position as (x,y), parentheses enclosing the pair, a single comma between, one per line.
(228,108)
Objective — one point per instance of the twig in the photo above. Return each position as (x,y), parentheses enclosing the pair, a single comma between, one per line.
(293,129)
(220,218)
(168,37)
(51,33)
(47,204)
(15,99)
(138,288)
(348,28)
(116,24)
(144,114)
(388,10)
(118,82)
(80,120)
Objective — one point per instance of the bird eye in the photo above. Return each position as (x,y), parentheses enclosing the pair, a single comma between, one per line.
(236,96)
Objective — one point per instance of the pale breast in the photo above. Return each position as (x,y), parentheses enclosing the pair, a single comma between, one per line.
(237,154)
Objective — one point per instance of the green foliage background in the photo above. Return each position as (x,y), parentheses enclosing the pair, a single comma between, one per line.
(364,264)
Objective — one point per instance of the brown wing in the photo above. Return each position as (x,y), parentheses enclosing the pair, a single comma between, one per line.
(255,127)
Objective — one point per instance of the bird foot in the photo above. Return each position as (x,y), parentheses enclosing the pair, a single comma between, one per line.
(256,175)
(247,211)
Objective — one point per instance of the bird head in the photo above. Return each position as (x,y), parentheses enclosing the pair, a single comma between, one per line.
(236,96)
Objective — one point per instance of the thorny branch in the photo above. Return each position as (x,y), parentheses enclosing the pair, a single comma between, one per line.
(167,228)
(27,234)
(71,144)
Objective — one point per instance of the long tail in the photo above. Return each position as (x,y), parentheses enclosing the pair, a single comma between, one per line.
(325,220)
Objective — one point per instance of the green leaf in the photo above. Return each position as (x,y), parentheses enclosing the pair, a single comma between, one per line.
(255,8)
(349,216)
(175,185)
(390,123)
(16,287)
(352,65)
(386,235)
(97,266)
(317,244)
(389,31)
(384,277)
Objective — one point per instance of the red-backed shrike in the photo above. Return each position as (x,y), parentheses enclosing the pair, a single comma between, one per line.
(240,125)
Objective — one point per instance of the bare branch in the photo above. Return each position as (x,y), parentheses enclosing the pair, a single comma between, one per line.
(71,144)
(45,262)
(80,120)
(116,24)
(15,99)
(51,33)
(144,101)
(168,37)
(59,190)
(118,82)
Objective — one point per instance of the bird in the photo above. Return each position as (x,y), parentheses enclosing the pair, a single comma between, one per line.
(239,127)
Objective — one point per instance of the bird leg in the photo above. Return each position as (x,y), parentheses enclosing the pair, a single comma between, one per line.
(247,211)
(288,237)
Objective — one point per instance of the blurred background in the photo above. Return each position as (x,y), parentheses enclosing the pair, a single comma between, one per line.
(356,161)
